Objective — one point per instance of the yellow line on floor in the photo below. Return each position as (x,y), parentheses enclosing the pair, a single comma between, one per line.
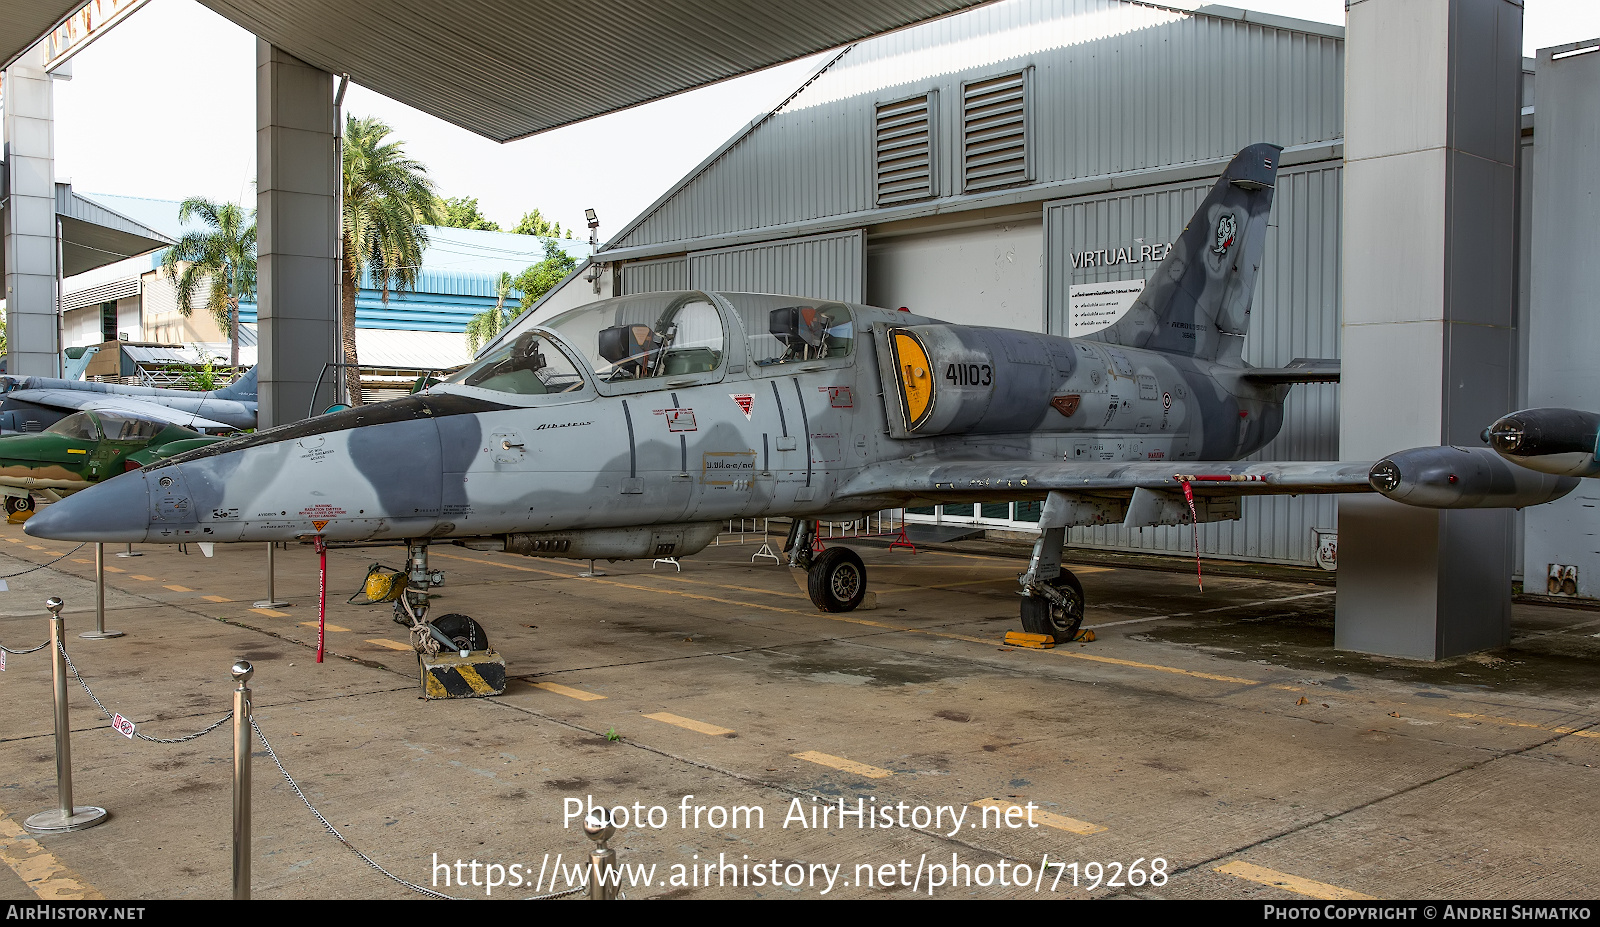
(141,577)
(36,547)
(38,868)
(840,763)
(215,598)
(178,588)
(568,691)
(1076,654)
(112,569)
(392,645)
(1040,816)
(329,627)
(970,582)
(270,613)
(56,553)
(81,560)
(785,595)
(1289,883)
(15,540)
(1575,732)
(667,717)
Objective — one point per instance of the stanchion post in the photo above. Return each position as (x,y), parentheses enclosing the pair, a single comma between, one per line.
(242,671)
(65,816)
(603,876)
(271,601)
(130,552)
(100,633)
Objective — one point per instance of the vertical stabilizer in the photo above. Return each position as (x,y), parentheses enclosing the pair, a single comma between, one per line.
(1198,301)
(240,390)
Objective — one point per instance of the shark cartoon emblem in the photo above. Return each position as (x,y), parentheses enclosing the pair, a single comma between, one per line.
(949,414)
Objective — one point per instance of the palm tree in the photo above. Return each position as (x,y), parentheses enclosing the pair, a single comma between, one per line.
(222,261)
(388,198)
(485,325)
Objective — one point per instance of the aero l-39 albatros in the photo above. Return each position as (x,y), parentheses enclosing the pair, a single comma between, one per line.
(29,404)
(633,427)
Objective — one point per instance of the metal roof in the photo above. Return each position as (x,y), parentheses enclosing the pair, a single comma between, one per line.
(23,24)
(93,236)
(507,69)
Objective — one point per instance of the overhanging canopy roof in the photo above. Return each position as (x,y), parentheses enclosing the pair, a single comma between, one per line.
(22,24)
(507,69)
(93,236)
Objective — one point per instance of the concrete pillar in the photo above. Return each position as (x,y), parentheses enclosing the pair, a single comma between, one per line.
(30,233)
(297,240)
(1428,290)
(1563,325)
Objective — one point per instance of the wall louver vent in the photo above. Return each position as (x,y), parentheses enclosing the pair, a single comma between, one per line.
(994,132)
(903,150)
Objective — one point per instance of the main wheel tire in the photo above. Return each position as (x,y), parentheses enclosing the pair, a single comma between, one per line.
(837,580)
(15,504)
(1041,616)
(467,634)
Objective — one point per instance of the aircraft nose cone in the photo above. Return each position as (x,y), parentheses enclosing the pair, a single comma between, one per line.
(116,511)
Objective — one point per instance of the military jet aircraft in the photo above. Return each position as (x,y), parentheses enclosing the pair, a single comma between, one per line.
(29,404)
(81,450)
(633,427)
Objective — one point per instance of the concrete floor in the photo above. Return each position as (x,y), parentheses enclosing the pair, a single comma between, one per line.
(1217,732)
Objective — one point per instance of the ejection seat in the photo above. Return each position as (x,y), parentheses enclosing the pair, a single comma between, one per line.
(632,350)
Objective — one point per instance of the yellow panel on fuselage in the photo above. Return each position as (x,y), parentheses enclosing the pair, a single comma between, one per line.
(916,378)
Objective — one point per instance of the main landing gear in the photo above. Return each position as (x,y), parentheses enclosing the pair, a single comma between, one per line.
(1052,598)
(836,579)
(447,632)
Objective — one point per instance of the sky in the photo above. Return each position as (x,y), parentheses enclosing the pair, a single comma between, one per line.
(164,107)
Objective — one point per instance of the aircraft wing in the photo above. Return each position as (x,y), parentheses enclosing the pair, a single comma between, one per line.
(79,400)
(999,480)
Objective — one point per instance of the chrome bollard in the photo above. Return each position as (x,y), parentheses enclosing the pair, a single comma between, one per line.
(130,552)
(242,671)
(271,601)
(100,633)
(65,816)
(604,881)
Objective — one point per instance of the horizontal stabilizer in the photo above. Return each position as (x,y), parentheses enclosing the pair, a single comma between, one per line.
(1299,370)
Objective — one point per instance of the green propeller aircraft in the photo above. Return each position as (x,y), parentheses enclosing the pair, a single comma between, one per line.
(83,449)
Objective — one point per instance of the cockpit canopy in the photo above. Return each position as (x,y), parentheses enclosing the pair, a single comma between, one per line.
(105,424)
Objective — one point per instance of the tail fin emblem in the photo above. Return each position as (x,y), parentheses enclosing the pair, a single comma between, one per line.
(1227,228)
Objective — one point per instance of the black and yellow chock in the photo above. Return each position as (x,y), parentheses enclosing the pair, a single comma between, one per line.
(448,674)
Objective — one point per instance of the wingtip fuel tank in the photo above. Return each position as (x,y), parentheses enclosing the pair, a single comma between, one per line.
(1558,441)
(1463,478)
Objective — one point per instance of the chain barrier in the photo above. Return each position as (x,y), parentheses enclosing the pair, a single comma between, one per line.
(331,829)
(109,716)
(46,563)
(29,650)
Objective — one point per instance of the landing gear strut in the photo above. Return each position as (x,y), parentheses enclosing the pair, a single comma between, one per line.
(448,632)
(1052,598)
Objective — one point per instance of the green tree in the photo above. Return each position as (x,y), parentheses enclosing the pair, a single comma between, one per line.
(539,278)
(533,223)
(482,327)
(219,260)
(388,198)
(461,212)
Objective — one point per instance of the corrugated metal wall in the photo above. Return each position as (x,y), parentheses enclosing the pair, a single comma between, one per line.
(655,276)
(1295,314)
(1116,87)
(821,267)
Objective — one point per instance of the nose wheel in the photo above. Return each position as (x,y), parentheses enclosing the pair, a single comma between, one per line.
(837,580)
(18,504)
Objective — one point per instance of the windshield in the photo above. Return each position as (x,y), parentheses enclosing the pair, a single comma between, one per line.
(645,336)
(79,425)
(526,366)
(121,426)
